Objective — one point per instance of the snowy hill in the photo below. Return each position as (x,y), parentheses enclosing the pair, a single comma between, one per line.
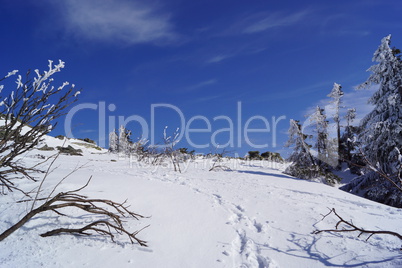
(252,216)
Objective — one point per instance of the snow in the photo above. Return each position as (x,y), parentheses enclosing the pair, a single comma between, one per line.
(252,216)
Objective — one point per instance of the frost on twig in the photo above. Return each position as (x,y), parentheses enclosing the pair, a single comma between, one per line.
(27,113)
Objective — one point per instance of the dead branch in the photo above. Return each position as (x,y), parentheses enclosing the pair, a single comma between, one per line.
(219,159)
(113,212)
(220,167)
(347,226)
(94,227)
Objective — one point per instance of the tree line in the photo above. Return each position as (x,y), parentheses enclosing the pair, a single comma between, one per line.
(370,149)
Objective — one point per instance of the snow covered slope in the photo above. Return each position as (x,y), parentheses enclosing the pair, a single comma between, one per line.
(252,216)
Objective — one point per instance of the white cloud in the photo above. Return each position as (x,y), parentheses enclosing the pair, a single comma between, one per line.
(218,58)
(201,84)
(357,99)
(208,98)
(275,20)
(128,22)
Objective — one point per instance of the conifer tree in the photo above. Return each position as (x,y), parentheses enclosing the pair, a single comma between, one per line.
(322,144)
(124,140)
(348,137)
(381,129)
(113,142)
(380,134)
(336,95)
(301,158)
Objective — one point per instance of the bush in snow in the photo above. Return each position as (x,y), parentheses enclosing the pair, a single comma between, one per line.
(69,150)
(274,157)
(35,103)
(254,155)
(28,114)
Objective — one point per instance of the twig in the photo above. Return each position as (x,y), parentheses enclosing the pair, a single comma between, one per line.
(113,221)
(350,227)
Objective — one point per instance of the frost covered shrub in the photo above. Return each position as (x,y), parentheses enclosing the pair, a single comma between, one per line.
(69,150)
(60,137)
(46,148)
(88,140)
(254,155)
(270,156)
(30,107)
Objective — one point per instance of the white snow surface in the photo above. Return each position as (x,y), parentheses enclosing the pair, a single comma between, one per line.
(252,216)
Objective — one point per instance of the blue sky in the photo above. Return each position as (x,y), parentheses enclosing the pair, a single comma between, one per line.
(277,58)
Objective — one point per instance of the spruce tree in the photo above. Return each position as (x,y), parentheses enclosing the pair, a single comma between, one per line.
(303,163)
(380,132)
(323,145)
(113,142)
(336,95)
(381,129)
(124,140)
(347,144)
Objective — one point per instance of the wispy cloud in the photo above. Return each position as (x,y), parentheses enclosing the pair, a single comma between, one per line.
(88,130)
(201,85)
(218,58)
(128,22)
(357,99)
(263,22)
(344,24)
(207,98)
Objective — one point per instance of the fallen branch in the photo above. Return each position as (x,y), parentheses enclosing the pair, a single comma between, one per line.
(114,214)
(221,167)
(350,227)
(107,231)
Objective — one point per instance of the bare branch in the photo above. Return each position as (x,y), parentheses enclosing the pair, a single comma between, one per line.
(348,226)
(28,114)
(113,212)
(94,227)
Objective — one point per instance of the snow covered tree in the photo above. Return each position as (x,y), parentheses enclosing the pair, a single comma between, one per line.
(113,142)
(348,139)
(336,95)
(381,130)
(325,150)
(124,140)
(303,163)
(350,117)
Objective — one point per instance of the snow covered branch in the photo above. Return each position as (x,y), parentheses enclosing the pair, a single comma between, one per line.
(27,114)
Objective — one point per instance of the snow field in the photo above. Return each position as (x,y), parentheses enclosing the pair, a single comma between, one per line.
(252,216)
